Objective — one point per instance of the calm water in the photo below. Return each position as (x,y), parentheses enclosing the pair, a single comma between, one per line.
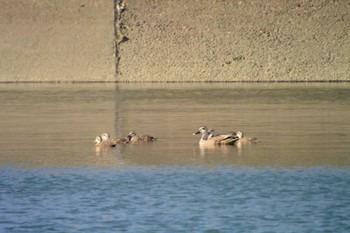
(53,180)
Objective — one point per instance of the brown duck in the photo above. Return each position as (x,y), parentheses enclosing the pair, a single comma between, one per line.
(133,137)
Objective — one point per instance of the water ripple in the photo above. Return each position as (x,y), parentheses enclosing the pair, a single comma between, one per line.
(174,199)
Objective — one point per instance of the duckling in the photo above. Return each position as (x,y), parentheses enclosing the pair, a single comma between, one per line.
(133,137)
(100,143)
(120,140)
(215,140)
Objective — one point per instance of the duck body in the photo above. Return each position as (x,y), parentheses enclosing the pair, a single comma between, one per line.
(212,139)
(99,143)
(133,137)
(245,139)
(119,140)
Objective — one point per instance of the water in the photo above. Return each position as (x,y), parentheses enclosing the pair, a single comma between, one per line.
(53,180)
(175,199)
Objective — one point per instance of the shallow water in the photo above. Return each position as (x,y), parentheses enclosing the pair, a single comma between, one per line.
(54,180)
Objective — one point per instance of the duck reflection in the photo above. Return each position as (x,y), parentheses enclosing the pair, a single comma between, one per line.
(205,150)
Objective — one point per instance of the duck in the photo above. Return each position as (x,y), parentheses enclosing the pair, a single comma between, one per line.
(133,137)
(211,133)
(215,140)
(245,139)
(121,140)
(99,143)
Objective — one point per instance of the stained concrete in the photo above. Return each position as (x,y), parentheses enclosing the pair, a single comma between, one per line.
(168,40)
(232,40)
(57,40)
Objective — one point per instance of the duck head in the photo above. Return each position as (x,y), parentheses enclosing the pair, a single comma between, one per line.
(201,130)
(212,133)
(98,140)
(130,135)
(239,134)
(105,136)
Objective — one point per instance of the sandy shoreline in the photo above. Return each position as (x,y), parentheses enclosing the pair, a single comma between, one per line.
(175,41)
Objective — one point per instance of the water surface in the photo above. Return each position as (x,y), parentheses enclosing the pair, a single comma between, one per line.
(174,199)
(54,180)
(54,125)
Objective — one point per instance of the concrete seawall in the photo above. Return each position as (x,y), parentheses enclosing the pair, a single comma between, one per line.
(57,40)
(233,40)
(220,40)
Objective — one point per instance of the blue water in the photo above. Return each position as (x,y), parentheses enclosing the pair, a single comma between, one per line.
(174,199)
(53,179)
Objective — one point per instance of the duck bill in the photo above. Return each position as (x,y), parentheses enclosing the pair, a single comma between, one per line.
(198,132)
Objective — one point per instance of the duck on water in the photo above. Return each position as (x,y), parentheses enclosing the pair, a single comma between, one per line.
(209,137)
(212,139)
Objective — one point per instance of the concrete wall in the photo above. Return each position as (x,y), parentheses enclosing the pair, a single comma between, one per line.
(175,40)
(57,40)
(236,40)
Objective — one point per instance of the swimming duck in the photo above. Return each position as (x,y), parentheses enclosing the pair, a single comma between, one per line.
(245,139)
(133,137)
(100,143)
(215,140)
(120,140)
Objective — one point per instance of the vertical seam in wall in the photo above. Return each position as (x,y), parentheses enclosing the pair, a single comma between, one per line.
(116,49)
(119,7)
